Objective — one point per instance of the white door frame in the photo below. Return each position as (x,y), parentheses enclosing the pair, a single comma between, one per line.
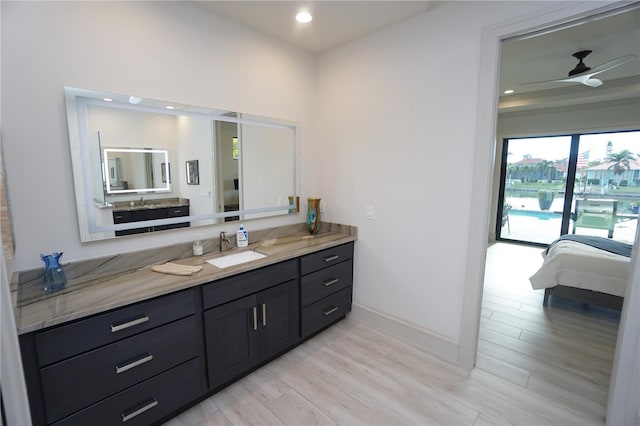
(624,391)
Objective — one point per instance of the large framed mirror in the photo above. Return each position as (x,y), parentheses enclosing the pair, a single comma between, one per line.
(133,164)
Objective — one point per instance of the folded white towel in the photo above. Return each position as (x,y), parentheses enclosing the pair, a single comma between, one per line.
(176,269)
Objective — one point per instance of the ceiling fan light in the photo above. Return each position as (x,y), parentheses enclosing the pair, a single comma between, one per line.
(593,82)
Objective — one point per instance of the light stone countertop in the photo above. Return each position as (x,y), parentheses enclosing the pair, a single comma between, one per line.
(99,285)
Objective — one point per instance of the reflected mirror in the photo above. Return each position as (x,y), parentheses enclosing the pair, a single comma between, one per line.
(135,170)
(144,165)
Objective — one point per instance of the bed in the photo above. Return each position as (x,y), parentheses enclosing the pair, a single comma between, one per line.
(587,269)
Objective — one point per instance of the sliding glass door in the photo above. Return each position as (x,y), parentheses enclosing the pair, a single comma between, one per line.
(583,183)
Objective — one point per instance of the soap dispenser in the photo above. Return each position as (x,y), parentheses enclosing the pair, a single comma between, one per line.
(242,237)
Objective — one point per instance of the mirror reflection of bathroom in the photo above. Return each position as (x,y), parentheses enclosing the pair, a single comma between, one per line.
(228,167)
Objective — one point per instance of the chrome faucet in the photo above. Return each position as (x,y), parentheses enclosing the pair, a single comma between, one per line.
(223,239)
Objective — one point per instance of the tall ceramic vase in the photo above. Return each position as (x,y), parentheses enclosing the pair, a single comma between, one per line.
(54,276)
(313,215)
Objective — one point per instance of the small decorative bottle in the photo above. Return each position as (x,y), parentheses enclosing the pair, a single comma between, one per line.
(54,276)
(313,215)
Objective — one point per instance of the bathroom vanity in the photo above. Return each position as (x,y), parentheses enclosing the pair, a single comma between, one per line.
(138,347)
(127,212)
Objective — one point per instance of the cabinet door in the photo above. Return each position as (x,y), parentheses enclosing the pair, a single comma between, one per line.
(231,332)
(279,318)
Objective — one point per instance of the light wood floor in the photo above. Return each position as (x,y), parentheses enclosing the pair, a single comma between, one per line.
(535,366)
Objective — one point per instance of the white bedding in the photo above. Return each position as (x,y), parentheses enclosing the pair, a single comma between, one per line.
(579,265)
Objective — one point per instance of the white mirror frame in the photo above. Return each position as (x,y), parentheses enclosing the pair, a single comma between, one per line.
(77,101)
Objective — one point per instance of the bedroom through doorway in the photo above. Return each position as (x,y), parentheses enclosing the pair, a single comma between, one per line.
(561,354)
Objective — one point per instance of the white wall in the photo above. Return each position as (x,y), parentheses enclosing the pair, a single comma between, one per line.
(176,51)
(395,129)
(266,167)
(195,142)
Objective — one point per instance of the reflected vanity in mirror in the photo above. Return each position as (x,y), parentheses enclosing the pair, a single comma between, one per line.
(139,166)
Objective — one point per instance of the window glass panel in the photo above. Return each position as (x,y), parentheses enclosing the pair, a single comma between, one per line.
(607,187)
(534,188)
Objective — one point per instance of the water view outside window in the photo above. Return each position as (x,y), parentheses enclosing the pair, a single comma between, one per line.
(604,170)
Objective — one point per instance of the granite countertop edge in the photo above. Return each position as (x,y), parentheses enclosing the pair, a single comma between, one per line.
(125,288)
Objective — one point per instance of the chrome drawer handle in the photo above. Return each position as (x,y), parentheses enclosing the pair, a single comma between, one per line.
(138,411)
(255,317)
(330,258)
(264,314)
(177,211)
(332,281)
(329,311)
(124,325)
(129,365)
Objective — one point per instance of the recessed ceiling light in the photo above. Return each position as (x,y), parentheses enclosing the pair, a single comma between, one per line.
(304,17)
(169,107)
(108,100)
(509,91)
(135,100)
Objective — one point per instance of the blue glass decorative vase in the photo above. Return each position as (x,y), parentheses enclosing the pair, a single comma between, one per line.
(54,276)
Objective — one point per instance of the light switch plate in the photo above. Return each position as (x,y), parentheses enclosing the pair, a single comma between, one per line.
(371,212)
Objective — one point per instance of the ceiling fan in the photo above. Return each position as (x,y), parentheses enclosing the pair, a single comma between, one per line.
(584,74)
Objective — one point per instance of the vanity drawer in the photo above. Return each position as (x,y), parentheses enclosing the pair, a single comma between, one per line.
(178,211)
(326,281)
(68,340)
(325,311)
(146,402)
(77,382)
(322,259)
(122,217)
(237,286)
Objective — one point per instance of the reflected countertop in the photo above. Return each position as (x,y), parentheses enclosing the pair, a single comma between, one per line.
(101,284)
(151,203)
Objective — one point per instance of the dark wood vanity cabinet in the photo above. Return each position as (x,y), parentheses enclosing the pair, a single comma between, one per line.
(325,287)
(139,215)
(252,328)
(117,366)
(143,363)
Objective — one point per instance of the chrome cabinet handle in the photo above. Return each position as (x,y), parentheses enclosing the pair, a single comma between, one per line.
(264,314)
(255,317)
(330,258)
(329,311)
(137,411)
(332,281)
(124,325)
(120,368)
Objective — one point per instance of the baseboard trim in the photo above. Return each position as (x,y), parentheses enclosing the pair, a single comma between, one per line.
(439,346)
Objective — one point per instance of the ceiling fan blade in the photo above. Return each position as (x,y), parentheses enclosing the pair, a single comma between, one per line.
(586,78)
(611,64)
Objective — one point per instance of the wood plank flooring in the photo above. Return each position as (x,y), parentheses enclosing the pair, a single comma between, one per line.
(535,366)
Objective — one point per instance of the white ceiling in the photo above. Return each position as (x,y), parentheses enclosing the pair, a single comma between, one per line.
(540,57)
(547,56)
(334,22)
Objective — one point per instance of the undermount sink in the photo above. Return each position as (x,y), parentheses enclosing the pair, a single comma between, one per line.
(235,259)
